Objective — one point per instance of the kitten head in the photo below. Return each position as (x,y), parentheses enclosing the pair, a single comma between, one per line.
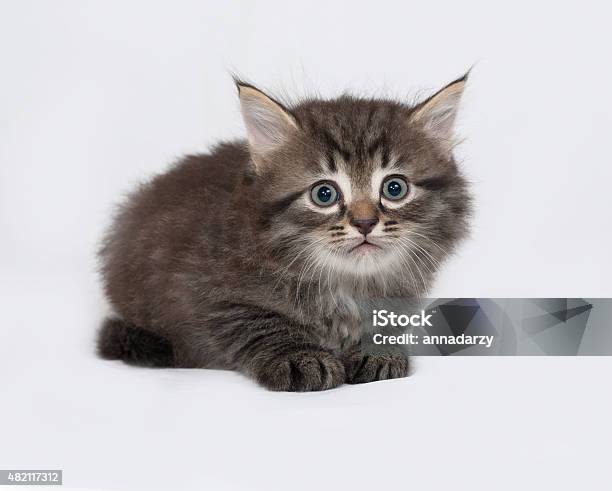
(360,190)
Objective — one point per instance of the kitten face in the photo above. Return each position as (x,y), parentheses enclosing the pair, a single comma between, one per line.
(358,190)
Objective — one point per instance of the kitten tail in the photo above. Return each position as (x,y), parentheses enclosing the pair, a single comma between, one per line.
(118,340)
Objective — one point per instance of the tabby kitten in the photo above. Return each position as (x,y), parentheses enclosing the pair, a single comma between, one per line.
(256,256)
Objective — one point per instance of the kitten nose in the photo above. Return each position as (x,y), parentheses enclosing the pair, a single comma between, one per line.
(365,226)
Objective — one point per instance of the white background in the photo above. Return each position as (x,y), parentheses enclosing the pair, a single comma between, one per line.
(95,96)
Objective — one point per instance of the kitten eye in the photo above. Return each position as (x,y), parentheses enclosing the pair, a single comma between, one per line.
(395,188)
(324,194)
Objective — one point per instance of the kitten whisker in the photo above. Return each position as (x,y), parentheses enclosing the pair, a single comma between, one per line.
(310,245)
(435,263)
(410,251)
(305,248)
(416,265)
(308,265)
(405,263)
(329,271)
(430,240)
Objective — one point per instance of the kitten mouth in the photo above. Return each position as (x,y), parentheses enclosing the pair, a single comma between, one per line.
(364,247)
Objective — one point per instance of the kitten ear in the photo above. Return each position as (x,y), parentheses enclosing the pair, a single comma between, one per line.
(437,114)
(267,122)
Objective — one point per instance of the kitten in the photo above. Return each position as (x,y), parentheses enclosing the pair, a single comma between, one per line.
(255,257)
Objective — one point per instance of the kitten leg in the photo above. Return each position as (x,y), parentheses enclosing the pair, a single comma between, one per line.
(274,351)
(362,368)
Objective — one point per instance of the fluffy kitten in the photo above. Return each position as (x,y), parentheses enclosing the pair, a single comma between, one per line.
(256,256)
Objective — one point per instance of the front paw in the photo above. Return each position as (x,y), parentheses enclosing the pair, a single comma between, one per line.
(300,371)
(361,369)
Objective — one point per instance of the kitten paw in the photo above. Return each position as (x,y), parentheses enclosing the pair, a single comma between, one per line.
(361,369)
(302,371)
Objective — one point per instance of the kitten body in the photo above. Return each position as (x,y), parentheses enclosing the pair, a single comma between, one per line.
(256,257)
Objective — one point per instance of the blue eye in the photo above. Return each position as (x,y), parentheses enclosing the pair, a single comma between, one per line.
(395,188)
(324,194)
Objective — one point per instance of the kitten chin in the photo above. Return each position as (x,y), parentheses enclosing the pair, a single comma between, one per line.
(258,256)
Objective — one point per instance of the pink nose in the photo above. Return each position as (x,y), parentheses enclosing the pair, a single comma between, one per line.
(365,226)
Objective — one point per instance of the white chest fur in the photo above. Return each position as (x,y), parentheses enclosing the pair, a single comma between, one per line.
(339,325)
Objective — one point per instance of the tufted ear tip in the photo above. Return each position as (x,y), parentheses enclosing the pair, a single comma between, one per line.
(242,84)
